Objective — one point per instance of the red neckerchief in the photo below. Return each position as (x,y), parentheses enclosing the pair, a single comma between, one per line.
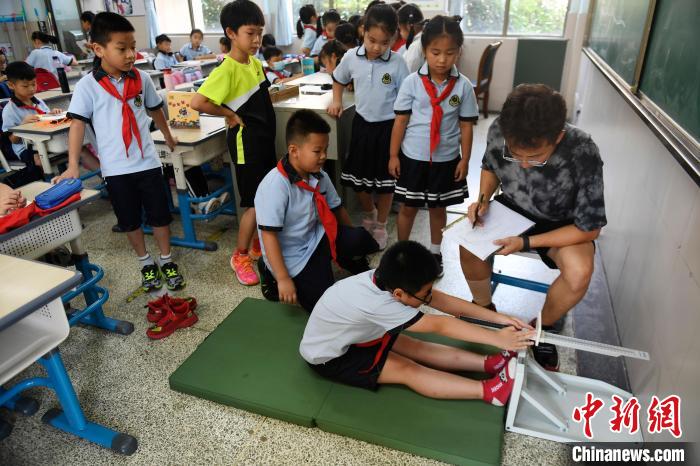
(279,74)
(328,220)
(35,108)
(132,88)
(310,26)
(397,45)
(435,101)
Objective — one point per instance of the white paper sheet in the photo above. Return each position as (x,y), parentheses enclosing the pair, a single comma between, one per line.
(499,222)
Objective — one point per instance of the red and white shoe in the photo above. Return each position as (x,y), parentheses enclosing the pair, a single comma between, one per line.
(495,362)
(497,390)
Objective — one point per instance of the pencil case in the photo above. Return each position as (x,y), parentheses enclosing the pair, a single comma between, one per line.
(58,193)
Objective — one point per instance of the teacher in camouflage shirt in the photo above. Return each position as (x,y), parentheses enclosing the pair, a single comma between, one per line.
(550,172)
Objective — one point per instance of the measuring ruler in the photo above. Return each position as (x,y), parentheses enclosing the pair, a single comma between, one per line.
(571,342)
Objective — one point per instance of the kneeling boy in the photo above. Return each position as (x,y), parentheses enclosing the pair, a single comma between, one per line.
(354,333)
(302,222)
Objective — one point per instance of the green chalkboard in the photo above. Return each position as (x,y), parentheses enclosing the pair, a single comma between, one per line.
(617,31)
(671,73)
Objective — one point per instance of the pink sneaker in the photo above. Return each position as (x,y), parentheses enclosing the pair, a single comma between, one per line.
(497,390)
(242,264)
(255,252)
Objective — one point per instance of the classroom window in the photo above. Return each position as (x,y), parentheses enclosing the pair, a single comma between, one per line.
(206,14)
(523,18)
(346,8)
(173,16)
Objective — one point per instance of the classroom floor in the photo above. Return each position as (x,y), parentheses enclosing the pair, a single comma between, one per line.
(122,382)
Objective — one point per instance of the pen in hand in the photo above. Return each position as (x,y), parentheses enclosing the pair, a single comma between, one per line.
(476,211)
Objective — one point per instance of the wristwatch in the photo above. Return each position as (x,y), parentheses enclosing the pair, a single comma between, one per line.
(526,242)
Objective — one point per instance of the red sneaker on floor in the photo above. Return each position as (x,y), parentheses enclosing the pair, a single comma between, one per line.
(159,307)
(497,390)
(171,322)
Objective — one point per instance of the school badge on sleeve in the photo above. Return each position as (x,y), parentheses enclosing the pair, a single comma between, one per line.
(455,101)
(386,79)
(138,101)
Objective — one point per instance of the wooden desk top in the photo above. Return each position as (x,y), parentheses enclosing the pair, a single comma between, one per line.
(28,285)
(210,127)
(41,127)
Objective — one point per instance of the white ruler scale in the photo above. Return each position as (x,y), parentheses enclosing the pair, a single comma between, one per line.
(571,342)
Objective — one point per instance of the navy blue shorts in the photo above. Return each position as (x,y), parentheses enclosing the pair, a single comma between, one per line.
(135,193)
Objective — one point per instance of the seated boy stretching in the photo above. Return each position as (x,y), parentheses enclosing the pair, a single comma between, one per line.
(550,172)
(302,222)
(120,98)
(354,333)
(25,107)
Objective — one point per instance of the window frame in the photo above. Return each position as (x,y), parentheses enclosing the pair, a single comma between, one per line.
(506,23)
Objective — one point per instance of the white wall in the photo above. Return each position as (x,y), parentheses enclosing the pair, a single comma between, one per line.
(650,249)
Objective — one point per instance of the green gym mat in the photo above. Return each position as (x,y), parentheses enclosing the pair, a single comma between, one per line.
(251,361)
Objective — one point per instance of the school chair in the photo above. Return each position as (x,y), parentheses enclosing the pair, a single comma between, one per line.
(485,73)
(45,80)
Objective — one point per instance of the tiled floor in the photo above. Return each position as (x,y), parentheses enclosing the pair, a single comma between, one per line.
(122,381)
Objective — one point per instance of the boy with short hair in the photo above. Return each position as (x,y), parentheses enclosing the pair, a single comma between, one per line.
(165,59)
(194,49)
(302,222)
(238,90)
(353,335)
(25,107)
(121,98)
(550,172)
(273,55)
(224,45)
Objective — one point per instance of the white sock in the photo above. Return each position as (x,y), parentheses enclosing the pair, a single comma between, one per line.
(435,248)
(166,259)
(380,225)
(146,260)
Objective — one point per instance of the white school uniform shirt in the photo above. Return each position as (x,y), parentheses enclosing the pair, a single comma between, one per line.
(94,105)
(290,211)
(353,310)
(414,55)
(43,58)
(376,82)
(190,53)
(318,44)
(309,38)
(413,99)
(164,61)
(13,114)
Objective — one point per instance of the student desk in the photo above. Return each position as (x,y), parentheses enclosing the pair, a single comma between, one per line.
(48,140)
(340,127)
(32,325)
(44,234)
(207,65)
(144,64)
(55,98)
(196,147)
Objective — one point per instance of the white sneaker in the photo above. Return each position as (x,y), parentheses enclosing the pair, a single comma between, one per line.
(224,197)
(209,206)
(369,223)
(381,237)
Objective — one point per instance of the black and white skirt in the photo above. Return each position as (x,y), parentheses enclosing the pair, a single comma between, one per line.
(367,166)
(422,183)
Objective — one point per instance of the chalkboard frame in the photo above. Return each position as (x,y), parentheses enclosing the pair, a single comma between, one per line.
(684,148)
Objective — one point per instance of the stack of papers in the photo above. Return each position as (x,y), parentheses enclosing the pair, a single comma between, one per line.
(498,223)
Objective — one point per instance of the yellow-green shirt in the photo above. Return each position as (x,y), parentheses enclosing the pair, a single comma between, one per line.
(243,88)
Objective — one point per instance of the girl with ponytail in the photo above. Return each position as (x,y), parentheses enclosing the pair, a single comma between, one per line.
(411,23)
(307,28)
(43,54)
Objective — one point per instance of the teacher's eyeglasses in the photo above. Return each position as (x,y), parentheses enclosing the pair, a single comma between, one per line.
(533,163)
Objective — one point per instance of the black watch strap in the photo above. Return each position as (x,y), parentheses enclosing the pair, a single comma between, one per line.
(526,242)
